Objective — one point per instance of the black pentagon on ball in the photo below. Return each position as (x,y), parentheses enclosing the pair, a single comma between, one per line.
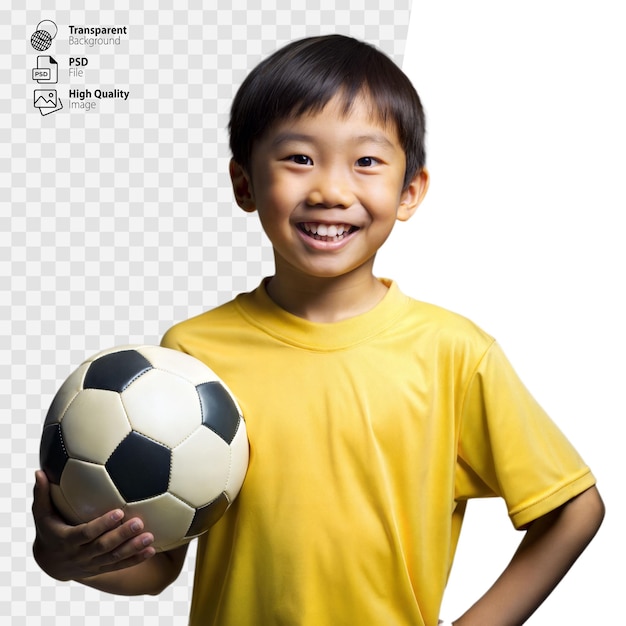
(219,412)
(52,453)
(140,467)
(116,370)
(207,515)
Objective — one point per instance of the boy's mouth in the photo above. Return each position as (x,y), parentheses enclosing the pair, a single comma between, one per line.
(326,232)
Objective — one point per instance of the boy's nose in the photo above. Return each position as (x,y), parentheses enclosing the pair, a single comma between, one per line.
(330,191)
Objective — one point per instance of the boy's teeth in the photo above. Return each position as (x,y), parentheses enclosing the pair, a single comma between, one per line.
(326,230)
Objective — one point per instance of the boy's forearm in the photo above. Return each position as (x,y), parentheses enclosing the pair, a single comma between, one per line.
(550,547)
(149,577)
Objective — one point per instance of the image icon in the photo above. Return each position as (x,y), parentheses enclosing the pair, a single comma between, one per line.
(47,101)
(47,70)
(42,38)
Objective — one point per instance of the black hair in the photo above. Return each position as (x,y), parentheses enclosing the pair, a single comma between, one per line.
(303,76)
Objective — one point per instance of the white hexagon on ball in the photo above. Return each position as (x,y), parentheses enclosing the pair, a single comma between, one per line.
(188,481)
(89,490)
(168,518)
(162,406)
(94,425)
(178,363)
(67,392)
(239,451)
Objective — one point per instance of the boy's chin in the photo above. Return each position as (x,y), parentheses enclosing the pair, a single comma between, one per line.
(330,272)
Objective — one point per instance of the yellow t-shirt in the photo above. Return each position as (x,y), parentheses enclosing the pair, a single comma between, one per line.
(367,436)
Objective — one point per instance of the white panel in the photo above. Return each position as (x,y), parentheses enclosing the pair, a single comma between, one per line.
(94,425)
(200,467)
(178,363)
(164,407)
(166,517)
(89,490)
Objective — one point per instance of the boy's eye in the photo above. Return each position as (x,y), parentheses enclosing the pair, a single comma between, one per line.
(366,162)
(300,159)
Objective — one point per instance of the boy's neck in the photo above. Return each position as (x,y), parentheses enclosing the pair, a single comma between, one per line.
(326,300)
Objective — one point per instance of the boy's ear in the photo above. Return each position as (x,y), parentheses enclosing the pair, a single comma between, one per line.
(413,195)
(242,186)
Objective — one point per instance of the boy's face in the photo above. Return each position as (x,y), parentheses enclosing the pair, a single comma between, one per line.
(328,189)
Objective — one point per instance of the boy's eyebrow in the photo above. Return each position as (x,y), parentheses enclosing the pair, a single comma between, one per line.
(286,136)
(376,138)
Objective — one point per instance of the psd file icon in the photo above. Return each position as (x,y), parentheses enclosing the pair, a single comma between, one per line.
(47,70)
(47,101)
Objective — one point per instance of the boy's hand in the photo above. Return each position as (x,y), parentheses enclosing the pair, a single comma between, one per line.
(76,552)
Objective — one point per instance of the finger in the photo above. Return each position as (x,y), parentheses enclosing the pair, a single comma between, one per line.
(41,495)
(89,531)
(131,549)
(116,544)
(129,561)
(108,557)
(42,487)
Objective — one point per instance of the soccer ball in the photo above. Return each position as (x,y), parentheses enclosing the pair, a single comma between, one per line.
(148,430)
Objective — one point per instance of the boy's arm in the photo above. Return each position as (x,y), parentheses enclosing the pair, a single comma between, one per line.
(551,545)
(103,553)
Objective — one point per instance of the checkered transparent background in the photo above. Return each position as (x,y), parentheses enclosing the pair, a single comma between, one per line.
(118,222)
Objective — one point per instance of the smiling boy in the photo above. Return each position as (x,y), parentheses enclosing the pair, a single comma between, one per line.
(328,188)
(372,417)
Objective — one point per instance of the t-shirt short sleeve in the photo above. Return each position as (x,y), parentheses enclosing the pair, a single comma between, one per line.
(509,447)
